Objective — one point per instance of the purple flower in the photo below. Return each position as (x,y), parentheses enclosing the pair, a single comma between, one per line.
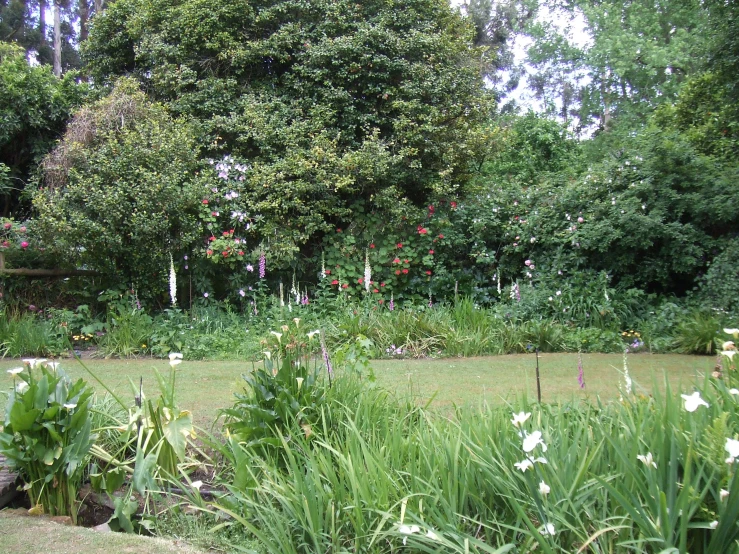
(242,293)
(205,294)
(580,373)
(326,358)
(249,267)
(262,265)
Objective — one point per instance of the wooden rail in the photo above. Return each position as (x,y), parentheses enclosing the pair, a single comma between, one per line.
(42,272)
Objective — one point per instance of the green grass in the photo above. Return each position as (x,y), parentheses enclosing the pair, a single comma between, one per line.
(204,387)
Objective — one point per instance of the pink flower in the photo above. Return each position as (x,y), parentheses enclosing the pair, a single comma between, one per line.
(8,226)
(580,220)
(24,244)
(22,229)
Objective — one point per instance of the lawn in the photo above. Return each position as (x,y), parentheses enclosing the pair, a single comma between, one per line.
(205,387)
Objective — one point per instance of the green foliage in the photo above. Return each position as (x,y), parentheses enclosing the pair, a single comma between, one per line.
(433,484)
(34,109)
(326,102)
(47,435)
(719,285)
(29,334)
(283,395)
(697,333)
(124,190)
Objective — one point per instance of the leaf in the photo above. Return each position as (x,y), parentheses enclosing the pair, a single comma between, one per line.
(22,420)
(176,432)
(144,472)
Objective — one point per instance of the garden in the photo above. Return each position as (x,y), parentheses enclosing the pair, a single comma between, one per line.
(292,277)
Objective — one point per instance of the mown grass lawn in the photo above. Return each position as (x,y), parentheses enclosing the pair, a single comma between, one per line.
(204,387)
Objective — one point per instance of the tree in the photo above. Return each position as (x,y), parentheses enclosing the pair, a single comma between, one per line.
(122,190)
(328,102)
(34,108)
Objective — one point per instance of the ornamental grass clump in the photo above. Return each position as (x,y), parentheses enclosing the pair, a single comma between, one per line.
(47,434)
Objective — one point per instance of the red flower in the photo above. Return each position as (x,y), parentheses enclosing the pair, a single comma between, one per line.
(397,272)
(399,245)
(428,272)
(209,252)
(214,214)
(225,233)
(338,230)
(241,252)
(382,284)
(225,253)
(8,226)
(372,245)
(431,252)
(396,261)
(380,301)
(422,231)
(431,208)
(334,282)
(344,286)
(205,201)
(24,245)
(441,236)
(376,290)
(405,271)
(406,261)
(453,204)
(360,280)
(212,238)
(328,272)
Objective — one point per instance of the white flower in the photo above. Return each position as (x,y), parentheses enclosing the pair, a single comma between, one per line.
(408,530)
(313,333)
(530,442)
(544,488)
(729,354)
(732,447)
(647,460)
(520,418)
(431,535)
(549,529)
(300,382)
(172,282)
(559,293)
(713,524)
(734,332)
(33,362)
(16,370)
(728,345)
(539,460)
(20,387)
(734,391)
(694,400)
(278,335)
(524,465)
(53,365)
(175,356)
(242,293)
(196,485)
(70,406)
(175,362)
(723,493)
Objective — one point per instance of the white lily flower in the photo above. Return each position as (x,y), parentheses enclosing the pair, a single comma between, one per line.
(544,489)
(408,530)
(732,447)
(16,370)
(539,460)
(549,530)
(267,354)
(692,401)
(734,332)
(431,535)
(196,485)
(175,356)
(33,362)
(300,382)
(729,354)
(734,391)
(530,442)
(524,465)
(278,335)
(647,460)
(723,493)
(297,321)
(728,345)
(175,362)
(70,406)
(53,365)
(313,333)
(20,387)
(713,524)
(520,418)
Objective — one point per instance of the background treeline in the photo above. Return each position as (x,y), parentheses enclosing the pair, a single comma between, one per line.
(322,137)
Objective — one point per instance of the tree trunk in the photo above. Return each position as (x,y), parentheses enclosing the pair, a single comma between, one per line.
(57,40)
(98,6)
(83,10)
(42,19)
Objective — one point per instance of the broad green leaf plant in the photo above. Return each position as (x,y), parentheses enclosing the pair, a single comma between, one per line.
(47,434)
